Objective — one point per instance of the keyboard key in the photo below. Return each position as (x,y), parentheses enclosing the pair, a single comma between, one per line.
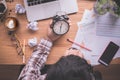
(35,2)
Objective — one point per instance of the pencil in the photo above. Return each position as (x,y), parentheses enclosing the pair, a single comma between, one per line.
(23,51)
(79,45)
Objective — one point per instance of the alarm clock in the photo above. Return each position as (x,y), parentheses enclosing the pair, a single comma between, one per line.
(60,24)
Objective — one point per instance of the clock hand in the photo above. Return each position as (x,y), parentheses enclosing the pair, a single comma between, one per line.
(60,27)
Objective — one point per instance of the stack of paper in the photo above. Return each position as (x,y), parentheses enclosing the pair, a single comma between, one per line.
(108,25)
(87,35)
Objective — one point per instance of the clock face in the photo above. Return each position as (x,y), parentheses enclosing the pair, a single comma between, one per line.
(61,27)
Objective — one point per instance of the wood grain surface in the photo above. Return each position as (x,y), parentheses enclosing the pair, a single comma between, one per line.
(8,54)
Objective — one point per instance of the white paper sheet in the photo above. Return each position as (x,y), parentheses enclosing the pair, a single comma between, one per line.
(97,44)
(108,25)
(87,35)
(88,17)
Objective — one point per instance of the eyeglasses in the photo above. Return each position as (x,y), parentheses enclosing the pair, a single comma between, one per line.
(103,6)
(17,44)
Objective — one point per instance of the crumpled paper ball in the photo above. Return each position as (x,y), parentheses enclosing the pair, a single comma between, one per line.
(32,42)
(33,26)
(19,9)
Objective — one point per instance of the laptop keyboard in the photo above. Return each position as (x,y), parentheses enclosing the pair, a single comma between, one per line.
(36,2)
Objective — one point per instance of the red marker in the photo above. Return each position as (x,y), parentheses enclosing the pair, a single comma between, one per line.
(78,44)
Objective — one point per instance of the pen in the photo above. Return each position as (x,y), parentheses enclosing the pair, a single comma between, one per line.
(24,51)
(78,45)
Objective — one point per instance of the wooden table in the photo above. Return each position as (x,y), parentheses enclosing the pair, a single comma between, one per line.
(8,54)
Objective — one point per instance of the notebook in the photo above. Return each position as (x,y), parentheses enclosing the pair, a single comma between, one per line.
(43,9)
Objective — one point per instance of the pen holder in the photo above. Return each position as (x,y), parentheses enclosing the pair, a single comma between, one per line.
(3,9)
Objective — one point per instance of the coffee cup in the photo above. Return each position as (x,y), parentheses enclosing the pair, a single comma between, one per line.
(11,23)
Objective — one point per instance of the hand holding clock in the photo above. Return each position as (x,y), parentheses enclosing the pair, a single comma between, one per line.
(58,27)
(51,36)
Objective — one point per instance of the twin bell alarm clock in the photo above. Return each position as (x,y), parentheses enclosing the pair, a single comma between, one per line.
(60,24)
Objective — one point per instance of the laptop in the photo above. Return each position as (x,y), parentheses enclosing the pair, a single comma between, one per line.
(43,9)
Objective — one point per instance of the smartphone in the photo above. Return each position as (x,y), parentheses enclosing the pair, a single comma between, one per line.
(108,54)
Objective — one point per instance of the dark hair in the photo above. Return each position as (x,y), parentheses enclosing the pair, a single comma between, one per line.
(70,68)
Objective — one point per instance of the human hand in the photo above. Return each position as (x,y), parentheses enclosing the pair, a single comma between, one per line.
(74,51)
(51,36)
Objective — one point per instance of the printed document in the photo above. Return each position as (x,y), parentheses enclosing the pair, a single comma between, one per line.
(88,35)
(97,44)
(108,25)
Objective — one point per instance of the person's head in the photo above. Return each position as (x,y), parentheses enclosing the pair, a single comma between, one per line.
(72,66)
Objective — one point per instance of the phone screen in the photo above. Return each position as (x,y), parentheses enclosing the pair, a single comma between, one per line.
(108,54)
